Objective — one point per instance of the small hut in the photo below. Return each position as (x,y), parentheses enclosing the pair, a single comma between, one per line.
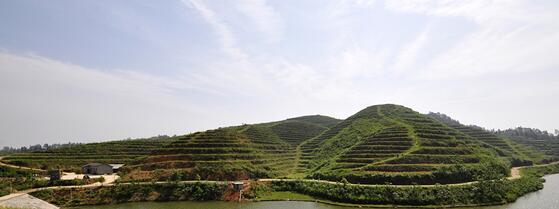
(55,174)
(97,169)
(238,186)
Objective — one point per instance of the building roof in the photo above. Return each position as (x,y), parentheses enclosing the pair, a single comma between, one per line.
(116,166)
(94,164)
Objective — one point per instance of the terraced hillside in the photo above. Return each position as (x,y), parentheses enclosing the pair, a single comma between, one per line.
(73,157)
(378,145)
(226,153)
(248,151)
(535,138)
(240,152)
(394,144)
(517,153)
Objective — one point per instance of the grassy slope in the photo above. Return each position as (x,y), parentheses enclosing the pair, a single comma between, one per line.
(394,144)
(516,153)
(547,146)
(71,158)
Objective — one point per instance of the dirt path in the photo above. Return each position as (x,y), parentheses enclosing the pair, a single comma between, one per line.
(27,201)
(515,171)
(19,167)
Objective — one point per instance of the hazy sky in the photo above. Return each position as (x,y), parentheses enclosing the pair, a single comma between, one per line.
(104,69)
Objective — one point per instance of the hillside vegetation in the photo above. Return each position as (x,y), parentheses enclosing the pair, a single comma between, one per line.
(382,144)
(540,140)
(518,154)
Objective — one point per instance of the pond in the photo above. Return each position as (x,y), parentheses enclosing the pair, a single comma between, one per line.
(547,198)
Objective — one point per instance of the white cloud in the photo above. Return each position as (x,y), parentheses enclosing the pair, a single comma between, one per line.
(226,37)
(511,36)
(355,61)
(407,58)
(267,19)
(45,100)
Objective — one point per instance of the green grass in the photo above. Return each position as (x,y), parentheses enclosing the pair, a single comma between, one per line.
(284,196)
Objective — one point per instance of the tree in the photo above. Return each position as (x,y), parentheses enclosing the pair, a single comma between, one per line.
(556,132)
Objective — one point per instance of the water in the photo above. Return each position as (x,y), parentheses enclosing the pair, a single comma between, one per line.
(547,198)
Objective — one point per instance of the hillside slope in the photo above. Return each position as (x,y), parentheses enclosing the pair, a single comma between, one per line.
(378,145)
(518,154)
(540,140)
(394,144)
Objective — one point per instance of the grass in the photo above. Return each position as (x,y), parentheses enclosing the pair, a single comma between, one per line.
(284,196)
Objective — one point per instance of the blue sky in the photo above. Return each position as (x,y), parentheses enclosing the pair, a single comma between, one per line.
(99,70)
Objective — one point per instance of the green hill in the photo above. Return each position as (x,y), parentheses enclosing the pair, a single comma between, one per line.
(535,138)
(517,153)
(380,144)
(73,157)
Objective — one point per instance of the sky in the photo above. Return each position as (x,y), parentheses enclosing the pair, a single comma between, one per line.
(85,71)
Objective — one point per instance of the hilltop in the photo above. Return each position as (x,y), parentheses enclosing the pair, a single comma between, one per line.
(377,145)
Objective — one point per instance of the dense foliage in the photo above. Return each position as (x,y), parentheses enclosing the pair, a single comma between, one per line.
(132,193)
(443,175)
(538,139)
(12,179)
(485,192)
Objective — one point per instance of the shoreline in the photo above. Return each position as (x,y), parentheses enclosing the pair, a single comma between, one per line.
(547,169)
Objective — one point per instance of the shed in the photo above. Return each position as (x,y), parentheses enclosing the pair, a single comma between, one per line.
(55,174)
(97,169)
(238,185)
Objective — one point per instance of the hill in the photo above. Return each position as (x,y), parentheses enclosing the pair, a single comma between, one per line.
(532,137)
(71,158)
(379,144)
(394,144)
(518,154)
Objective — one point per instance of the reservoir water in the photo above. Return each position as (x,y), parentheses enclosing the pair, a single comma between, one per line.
(547,198)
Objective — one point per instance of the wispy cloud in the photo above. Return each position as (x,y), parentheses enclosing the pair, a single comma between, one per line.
(407,57)
(226,37)
(267,19)
(509,35)
(255,60)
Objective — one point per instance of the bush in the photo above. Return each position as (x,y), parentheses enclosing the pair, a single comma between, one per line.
(485,192)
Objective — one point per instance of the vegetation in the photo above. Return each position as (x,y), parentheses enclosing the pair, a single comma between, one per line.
(382,144)
(540,170)
(517,154)
(535,138)
(71,158)
(409,157)
(13,179)
(482,193)
(132,193)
